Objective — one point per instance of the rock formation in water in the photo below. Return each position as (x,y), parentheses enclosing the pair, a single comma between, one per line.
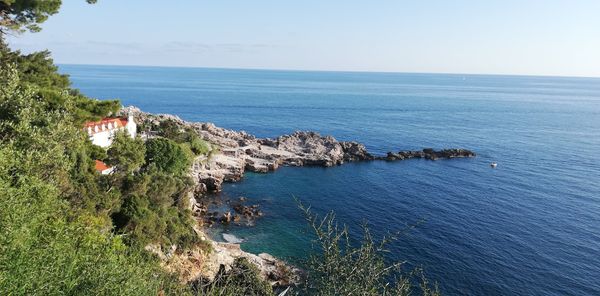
(428,153)
(240,151)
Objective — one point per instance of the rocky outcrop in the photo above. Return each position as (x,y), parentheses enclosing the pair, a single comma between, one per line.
(354,151)
(198,263)
(428,154)
(275,271)
(213,211)
(237,151)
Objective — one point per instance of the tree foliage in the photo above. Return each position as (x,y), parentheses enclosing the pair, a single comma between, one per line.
(38,71)
(156,210)
(127,155)
(47,247)
(185,136)
(22,15)
(340,267)
(198,146)
(167,156)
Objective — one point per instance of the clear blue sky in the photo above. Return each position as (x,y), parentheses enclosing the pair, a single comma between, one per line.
(537,37)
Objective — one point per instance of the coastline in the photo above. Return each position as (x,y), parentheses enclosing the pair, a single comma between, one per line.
(232,154)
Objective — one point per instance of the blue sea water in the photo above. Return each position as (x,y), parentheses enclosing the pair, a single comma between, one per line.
(529,227)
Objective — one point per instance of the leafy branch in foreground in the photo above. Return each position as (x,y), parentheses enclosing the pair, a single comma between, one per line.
(340,268)
(26,15)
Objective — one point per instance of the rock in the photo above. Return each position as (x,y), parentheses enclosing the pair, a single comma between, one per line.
(354,151)
(277,272)
(226,217)
(247,211)
(256,167)
(230,238)
(429,153)
(267,257)
(211,183)
(393,156)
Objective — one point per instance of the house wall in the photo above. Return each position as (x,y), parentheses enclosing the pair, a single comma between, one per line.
(102,139)
(107,171)
(131,127)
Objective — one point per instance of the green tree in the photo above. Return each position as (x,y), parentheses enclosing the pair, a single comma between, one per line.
(47,248)
(167,156)
(126,154)
(22,15)
(156,210)
(37,69)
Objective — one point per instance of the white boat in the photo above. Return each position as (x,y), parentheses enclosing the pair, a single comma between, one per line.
(493,165)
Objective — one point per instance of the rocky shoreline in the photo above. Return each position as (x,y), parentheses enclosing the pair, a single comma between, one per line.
(235,152)
(238,151)
(196,263)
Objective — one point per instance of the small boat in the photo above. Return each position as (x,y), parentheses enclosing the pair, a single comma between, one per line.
(493,165)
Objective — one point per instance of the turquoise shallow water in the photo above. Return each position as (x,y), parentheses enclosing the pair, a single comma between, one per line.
(529,227)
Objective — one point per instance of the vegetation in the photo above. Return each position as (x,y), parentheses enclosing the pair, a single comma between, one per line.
(49,245)
(155,209)
(22,15)
(343,268)
(39,72)
(167,156)
(126,155)
(187,137)
(65,228)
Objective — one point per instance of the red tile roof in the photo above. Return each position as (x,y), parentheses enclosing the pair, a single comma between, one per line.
(101,166)
(115,123)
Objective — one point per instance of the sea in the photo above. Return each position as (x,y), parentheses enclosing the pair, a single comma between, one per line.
(531,226)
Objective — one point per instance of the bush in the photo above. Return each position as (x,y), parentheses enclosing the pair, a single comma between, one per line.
(155,209)
(339,268)
(167,156)
(184,135)
(43,253)
(199,146)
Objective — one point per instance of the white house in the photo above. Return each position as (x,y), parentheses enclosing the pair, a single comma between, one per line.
(101,132)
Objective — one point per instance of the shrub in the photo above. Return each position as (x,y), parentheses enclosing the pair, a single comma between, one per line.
(339,268)
(167,156)
(156,210)
(199,146)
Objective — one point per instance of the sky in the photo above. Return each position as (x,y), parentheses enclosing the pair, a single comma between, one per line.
(523,37)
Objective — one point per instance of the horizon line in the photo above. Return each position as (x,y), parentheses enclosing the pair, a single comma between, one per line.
(323,70)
